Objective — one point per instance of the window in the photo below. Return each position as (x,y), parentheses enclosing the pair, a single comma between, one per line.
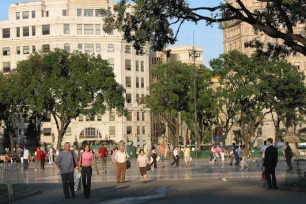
(6,32)
(6,51)
(110,48)
(128,65)
(68,131)
(18,32)
(67,47)
(17,15)
(26,50)
(46,48)
(142,82)
(112,131)
(25,15)
(33,31)
(47,13)
(66,28)
(137,82)
(129,98)
(6,67)
(129,116)
(143,116)
(90,133)
(297,65)
(128,82)
(127,49)
(89,47)
(80,47)
(88,29)
(142,66)
(33,48)
(26,31)
(47,131)
(81,117)
(111,62)
(143,129)
(33,14)
(90,118)
(80,29)
(46,29)
(64,12)
(129,130)
(18,50)
(99,117)
(98,29)
(98,48)
(88,12)
(138,130)
(112,116)
(97,12)
(137,66)
(79,12)
(138,116)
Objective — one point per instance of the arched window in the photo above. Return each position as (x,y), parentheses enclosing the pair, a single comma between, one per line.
(88,133)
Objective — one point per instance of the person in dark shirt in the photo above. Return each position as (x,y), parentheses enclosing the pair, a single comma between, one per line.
(270,163)
(288,156)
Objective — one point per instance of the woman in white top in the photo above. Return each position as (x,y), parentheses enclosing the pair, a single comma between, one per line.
(142,162)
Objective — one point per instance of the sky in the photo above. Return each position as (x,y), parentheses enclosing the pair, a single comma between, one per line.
(209,38)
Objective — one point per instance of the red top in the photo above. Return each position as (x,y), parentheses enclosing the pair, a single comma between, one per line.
(43,154)
(38,155)
(103,152)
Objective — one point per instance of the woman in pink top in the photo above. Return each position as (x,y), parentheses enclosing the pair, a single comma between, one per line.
(86,160)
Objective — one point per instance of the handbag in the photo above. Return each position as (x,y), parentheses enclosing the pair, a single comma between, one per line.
(157,158)
(148,167)
(73,161)
(263,176)
(128,164)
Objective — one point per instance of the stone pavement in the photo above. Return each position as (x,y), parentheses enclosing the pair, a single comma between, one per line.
(201,182)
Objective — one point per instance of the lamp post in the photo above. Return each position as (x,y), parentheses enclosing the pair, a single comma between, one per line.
(194,55)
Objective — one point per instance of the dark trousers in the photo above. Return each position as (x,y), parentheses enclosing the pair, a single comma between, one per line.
(25,163)
(289,163)
(43,164)
(68,182)
(270,172)
(86,180)
(154,162)
(176,160)
(237,159)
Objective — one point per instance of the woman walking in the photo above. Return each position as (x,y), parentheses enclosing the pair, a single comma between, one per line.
(216,155)
(86,160)
(187,156)
(38,157)
(142,161)
(154,157)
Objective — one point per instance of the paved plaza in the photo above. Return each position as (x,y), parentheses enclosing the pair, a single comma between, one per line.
(201,183)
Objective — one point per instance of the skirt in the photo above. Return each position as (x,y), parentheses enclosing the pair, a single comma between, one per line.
(143,171)
(38,164)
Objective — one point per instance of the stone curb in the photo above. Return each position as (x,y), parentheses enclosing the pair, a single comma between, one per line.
(22,196)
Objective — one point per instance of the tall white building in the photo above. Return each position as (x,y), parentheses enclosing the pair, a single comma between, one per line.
(77,25)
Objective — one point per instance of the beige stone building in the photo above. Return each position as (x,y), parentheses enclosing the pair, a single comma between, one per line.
(235,34)
(76,25)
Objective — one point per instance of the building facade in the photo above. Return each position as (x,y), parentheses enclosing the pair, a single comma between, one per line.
(76,25)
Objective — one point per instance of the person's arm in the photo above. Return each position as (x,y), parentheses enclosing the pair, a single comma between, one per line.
(94,164)
(137,164)
(29,157)
(57,162)
(79,163)
(115,161)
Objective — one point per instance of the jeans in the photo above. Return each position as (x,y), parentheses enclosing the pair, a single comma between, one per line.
(237,159)
(216,158)
(25,164)
(68,182)
(270,172)
(86,180)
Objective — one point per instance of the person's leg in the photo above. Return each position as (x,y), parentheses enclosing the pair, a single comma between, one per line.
(123,172)
(274,182)
(65,185)
(290,162)
(84,177)
(25,164)
(102,162)
(105,163)
(71,183)
(89,173)
(268,177)
(174,160)
(177,161)
(232,159)
(118,175)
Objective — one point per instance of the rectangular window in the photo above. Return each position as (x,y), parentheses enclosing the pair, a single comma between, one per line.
(79,12)
(110,48)
(26,31)
(33,48)
(66,28)
(137,82)
(26,50)
(64,12)
(138,116)
(17,15)
(6,51)
(33,14)
(89,48)
(127,49)
(88,12)
(138,130)
(80,29)
(47,131)
(97,12)
(33,30)
(18,50)
(137,66)
(128,65)
(112,116)
(129,116)
(142,82)
(111,62)
(46,48)
(47,13)
(88,29)
(25,15)
(143,116)
(80,47)
(81,117)
(129,130)
(68,131)
(128,82)
(98,48)
(142,66)
(90,118)
(18,32)
(46,29)
(143,129)
(6,33)
(112,131)
(128,98)
(98,29)
(67,47)
(6,67)
(99,117)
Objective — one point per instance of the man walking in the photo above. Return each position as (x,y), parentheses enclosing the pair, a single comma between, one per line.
(288,156)
(26,158)
(121,158)
(103,157)
(233,154)
(270,163)
(66,161)
(176,157)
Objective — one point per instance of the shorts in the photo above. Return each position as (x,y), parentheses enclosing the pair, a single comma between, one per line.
(143,171)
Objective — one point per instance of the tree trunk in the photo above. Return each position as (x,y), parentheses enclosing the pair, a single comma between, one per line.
(11,135)
(60,138)
(277,132)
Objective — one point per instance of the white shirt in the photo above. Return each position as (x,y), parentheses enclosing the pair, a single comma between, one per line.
(175,153)
(121,157)
(263,150)
(26,154)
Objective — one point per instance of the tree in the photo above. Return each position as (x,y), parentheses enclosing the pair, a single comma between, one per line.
(69,84)
(144,21)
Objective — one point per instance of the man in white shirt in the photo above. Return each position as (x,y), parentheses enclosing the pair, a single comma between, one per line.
(121,158)
(50,155)
(176,157)
(26,158)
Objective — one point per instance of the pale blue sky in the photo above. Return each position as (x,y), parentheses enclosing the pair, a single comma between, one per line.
(211,39)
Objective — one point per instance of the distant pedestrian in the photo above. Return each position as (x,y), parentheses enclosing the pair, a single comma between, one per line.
(114,154)
(263,150)
(154,157)
(66,161)
(187,156)
(216,155)
(121,158)
(142,161)
(51,155)
(21,156)
(212,150)
(26,158)
(38,159)
(103,152)
(162,151)
(270,163)
(176,157)
(233,154)
(43,159)
(288,156)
